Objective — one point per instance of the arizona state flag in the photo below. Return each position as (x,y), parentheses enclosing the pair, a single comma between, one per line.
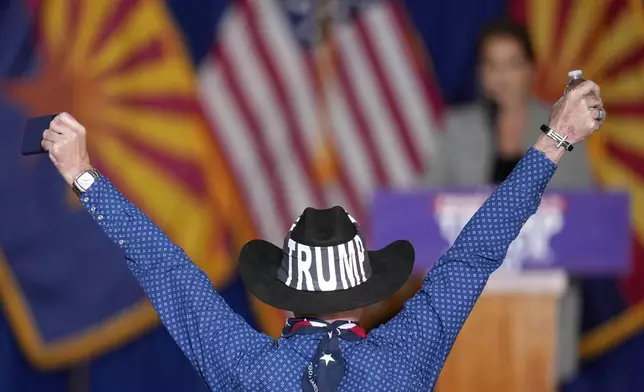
(120,68)
(605,39)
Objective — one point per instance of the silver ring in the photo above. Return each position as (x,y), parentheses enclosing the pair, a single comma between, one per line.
(601,115)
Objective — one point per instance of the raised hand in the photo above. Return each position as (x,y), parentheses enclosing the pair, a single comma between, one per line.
(576,114)
(67,146)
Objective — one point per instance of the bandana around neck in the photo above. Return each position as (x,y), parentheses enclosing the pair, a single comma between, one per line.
(325,370)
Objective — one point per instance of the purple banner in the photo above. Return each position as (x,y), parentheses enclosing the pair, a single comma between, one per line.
(586,234)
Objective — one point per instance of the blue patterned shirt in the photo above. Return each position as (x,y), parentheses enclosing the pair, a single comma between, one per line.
(405,354)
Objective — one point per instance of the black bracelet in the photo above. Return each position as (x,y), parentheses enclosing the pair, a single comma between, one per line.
(561,140)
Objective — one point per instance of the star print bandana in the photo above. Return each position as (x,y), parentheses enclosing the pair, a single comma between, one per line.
(326,369)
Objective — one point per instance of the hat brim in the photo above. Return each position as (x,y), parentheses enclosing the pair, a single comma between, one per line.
(259,261)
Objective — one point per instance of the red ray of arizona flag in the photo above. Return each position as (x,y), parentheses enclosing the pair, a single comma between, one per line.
(120,68)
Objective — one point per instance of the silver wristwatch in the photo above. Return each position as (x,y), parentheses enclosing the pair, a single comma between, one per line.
(83,181)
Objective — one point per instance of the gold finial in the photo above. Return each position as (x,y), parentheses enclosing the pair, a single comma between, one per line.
(324,14)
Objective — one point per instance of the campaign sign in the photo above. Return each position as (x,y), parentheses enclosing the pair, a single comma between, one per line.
(586,234)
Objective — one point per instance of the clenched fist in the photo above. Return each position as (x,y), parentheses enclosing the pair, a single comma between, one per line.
(576,115)
(66,143)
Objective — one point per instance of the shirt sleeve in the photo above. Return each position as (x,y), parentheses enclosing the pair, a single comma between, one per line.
(209,333)
(425,330)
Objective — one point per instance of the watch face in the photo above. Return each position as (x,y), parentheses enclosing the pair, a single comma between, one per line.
(85,181)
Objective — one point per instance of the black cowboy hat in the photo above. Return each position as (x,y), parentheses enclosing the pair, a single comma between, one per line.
(324,266)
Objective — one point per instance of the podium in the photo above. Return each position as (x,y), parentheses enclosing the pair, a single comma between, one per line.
(514,337)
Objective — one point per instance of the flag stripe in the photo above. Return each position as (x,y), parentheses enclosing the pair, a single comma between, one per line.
(277,83)
(324,125)
(256,177)
(255,142)
(299,74)
(361,124)
(262,100)
(323,72)
(414,51)
(299,82)
(372,103)
(384,84)
(354,152)
(417,113)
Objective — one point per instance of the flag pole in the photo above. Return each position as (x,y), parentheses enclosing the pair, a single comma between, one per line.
(326,163)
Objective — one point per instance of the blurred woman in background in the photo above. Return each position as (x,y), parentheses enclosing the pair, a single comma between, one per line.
(483,141)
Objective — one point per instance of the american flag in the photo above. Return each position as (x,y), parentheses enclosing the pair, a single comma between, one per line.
(319,103)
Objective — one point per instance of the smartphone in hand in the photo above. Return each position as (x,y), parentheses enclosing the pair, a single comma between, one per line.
(32,136)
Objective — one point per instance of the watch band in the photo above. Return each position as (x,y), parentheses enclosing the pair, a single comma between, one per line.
(76,188)
(561,140)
